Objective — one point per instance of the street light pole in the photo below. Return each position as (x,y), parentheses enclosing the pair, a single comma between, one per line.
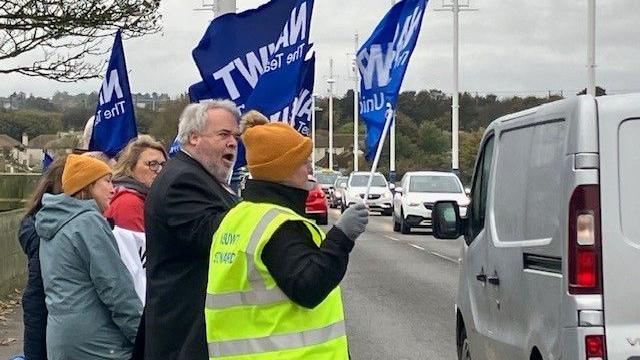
(218,7)
(331,81)
(356,98)
(313,132)
(591,48)
(392,141)
(455,106)
(455,7)
(226,7)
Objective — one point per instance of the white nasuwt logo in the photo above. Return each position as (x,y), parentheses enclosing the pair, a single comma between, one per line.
(267,58)
(300,108)
(380,63)
(110,85)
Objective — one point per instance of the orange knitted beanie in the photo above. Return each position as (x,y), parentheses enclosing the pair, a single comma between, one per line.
(80,171)
(274,150)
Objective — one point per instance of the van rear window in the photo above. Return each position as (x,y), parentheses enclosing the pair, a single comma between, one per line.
(528,181)
(629,163)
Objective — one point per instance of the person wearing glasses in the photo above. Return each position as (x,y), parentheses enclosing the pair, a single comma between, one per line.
(183,209)
(137,167)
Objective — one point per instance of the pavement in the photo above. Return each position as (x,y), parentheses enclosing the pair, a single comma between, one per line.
(11,326)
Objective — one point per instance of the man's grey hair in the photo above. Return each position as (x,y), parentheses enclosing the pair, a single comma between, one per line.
(194,117)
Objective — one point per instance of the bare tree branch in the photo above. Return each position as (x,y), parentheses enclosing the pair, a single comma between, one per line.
(69,32)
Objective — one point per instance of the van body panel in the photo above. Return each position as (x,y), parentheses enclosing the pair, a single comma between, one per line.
(619,129)
(523,246)
(475,306)
(524,218)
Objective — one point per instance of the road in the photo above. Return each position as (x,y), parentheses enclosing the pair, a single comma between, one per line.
(399,294)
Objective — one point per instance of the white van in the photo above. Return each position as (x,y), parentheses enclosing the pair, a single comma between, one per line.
(550,264)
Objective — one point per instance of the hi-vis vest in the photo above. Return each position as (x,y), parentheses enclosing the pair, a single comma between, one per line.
(247,315)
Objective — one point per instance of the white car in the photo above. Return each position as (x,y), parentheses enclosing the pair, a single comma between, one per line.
(380,196)
(418,192)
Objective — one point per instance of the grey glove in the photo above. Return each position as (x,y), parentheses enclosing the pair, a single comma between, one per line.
(353,221)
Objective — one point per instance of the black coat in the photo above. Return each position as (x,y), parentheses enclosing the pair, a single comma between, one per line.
(183,209)
(304,271)
(33,305)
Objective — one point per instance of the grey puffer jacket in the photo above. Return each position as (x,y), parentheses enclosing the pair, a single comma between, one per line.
(94,311)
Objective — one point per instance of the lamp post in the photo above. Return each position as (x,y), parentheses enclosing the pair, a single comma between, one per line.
(455,7)
(331,81)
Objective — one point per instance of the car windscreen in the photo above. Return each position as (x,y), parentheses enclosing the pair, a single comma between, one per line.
(363,180)
(326,178)
(434,184)
(340,181)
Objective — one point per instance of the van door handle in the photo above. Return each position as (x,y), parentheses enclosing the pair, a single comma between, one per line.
(481,277)
(493,280)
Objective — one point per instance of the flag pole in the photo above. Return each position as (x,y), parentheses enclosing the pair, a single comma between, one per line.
(374,167)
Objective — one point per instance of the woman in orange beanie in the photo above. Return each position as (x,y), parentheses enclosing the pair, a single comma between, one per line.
(269,232)
(93,308)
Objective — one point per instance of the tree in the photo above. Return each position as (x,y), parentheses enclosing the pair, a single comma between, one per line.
(67,33)
(165,126)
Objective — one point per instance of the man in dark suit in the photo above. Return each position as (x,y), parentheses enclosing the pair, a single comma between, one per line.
(183,209)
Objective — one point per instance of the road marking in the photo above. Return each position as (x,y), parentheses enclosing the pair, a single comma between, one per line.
(417,247)
(391,237)
(455,261)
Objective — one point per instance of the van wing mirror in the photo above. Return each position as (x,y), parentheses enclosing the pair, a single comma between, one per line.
(467,190)
(399,190)
(392,186)
(446,220)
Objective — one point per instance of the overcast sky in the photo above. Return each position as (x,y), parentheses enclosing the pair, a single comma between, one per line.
(508,47)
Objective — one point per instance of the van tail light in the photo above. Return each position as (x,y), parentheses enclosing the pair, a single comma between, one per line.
(595,346)
(585,242)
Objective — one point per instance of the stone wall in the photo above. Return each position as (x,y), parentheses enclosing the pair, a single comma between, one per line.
(13,261)
(16,189)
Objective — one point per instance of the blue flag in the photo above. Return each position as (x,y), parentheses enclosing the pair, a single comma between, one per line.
(175,147)
(46,160)
(297,112)
(200,91)
(255,58)
(115,122)
(382,62)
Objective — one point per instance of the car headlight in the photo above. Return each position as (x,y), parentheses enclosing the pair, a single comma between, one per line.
(337,194)
(413,204)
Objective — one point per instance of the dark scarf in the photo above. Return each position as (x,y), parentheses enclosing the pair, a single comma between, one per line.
(277,194)
(131,183)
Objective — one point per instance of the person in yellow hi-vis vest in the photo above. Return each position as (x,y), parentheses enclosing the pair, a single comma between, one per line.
(273,274)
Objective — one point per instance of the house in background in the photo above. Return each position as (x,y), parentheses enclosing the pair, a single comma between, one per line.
(342,150)
(27,156)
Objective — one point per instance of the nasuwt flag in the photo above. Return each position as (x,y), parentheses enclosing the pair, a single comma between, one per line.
(254,58)
(297,112)
(46,160)
(115,122)
(382,62)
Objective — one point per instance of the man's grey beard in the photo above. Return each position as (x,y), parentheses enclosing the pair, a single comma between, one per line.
(220,173)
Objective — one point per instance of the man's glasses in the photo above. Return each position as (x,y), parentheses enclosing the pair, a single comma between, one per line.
(155,165)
